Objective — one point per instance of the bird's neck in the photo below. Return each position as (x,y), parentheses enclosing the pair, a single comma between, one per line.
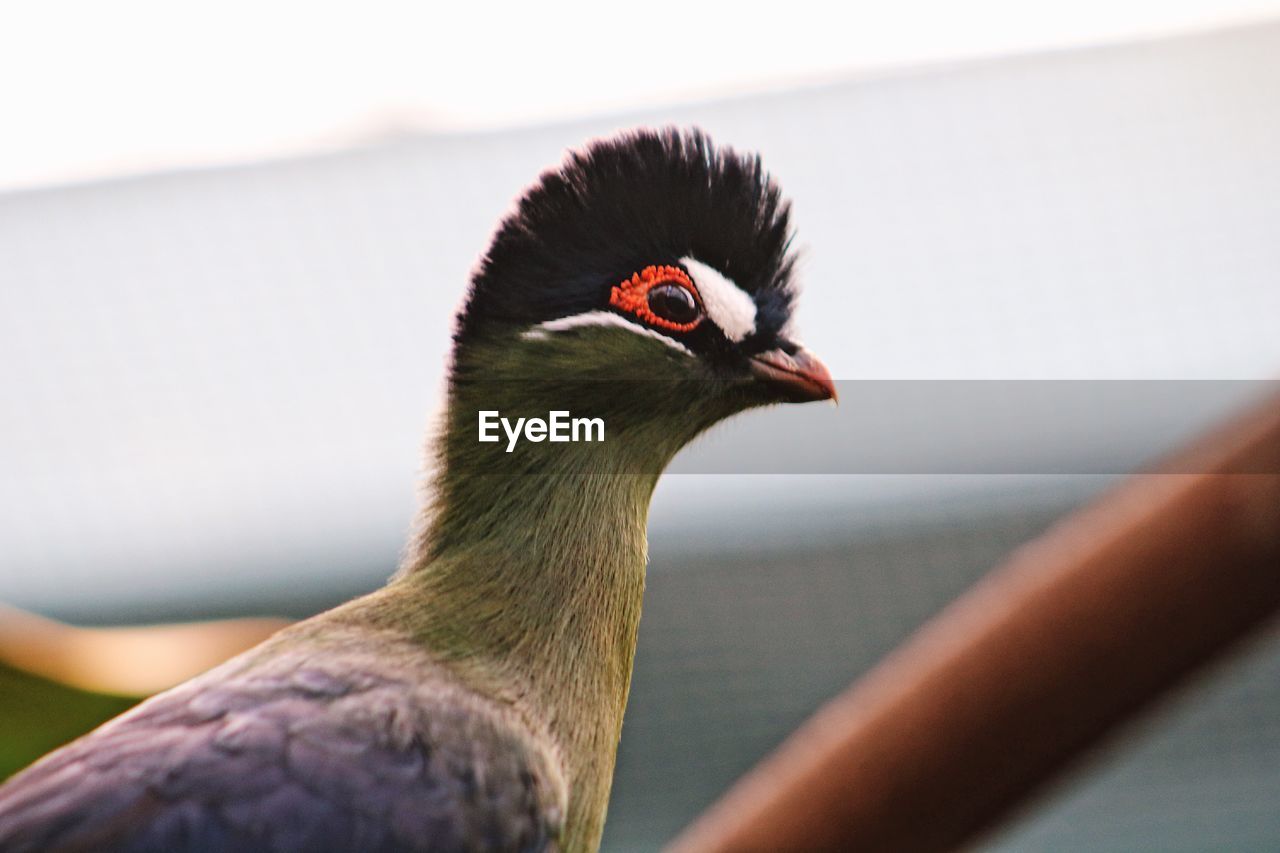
(539,573)
(528,579)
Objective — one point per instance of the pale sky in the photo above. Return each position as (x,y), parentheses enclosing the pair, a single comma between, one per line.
(92,89)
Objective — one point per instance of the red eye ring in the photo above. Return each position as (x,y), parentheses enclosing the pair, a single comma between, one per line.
(632,296)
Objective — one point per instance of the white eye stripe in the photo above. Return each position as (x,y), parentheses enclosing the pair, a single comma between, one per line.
(728,306)
(598,319)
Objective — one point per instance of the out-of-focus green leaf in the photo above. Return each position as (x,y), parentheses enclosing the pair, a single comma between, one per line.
(38,715)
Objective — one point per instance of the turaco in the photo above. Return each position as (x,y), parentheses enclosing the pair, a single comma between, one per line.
(475,702)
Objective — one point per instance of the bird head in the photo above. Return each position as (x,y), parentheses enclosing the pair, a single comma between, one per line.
(648,280)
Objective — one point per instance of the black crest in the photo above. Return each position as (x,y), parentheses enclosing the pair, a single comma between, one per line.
(640,198)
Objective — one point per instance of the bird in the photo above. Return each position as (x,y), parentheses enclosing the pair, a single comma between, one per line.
(475,702)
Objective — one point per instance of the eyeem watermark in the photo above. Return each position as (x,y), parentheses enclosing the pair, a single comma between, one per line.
(559,426)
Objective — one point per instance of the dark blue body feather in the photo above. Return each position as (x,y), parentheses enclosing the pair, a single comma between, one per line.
(290,756)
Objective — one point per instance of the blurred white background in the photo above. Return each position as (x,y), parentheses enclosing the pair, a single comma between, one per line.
(91,89)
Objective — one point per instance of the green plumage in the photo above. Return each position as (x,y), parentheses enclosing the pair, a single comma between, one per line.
(529,574)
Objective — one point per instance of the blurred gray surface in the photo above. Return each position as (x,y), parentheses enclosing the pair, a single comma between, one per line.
(736,651)
(215,385)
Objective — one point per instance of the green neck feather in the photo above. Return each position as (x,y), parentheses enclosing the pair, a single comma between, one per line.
(528,575)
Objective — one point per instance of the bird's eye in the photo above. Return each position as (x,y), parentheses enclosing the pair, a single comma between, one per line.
(673,303)
(662,296)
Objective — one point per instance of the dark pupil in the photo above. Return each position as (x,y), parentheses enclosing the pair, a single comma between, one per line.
(673,303)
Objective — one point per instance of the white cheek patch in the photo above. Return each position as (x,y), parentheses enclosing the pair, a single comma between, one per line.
(728,305)
(598,318)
